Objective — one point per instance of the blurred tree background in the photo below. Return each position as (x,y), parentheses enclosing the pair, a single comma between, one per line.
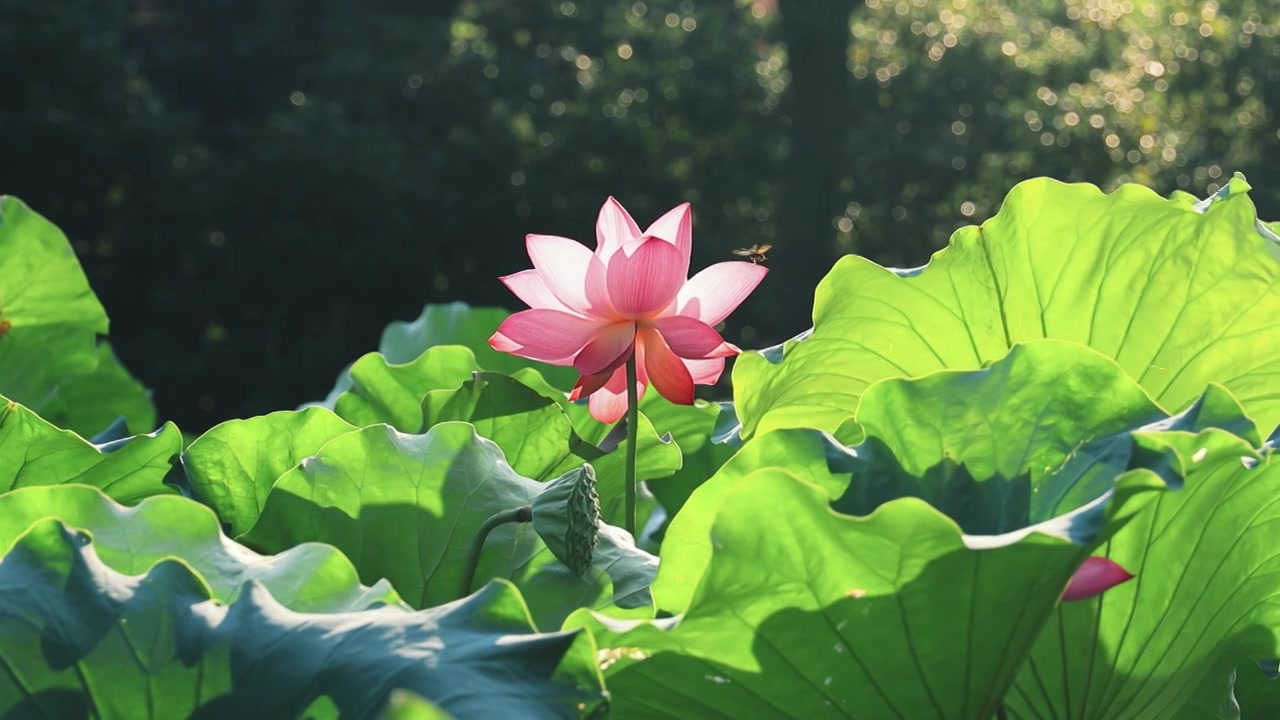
(257,188)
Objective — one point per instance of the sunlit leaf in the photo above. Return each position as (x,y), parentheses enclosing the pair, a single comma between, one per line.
(233,466)
(386,392)
(89,404)
(452,324)
(1204,602)
(539,440)
(34,452)
(406,507)
(130,540)
(804,613)
(49,316)
(1178,297)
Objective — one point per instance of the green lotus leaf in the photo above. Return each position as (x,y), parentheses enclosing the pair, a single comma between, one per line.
(805,613)
(1215,698)
(542,443)
(405,705)
(1043,435)
(387,392)
(657,456)
(452,324)
(692,427)
(88,404)
(1041,432)
(1271,231)
(306,578)
(579,414)
(1256,690)
(34,452)
(1180,295)
(687,545)
(50,317)
(533,431)
(459,324)
(80,638)
(233,466)
(1204,603)
(406,507)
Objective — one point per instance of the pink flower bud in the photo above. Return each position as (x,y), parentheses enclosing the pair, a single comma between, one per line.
(1094,577)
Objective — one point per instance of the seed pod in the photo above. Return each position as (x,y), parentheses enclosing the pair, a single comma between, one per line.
(566,515)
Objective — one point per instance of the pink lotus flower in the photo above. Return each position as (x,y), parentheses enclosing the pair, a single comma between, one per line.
(1094,577)
(632,295)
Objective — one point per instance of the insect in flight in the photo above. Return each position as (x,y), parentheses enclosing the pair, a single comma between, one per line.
(755,252)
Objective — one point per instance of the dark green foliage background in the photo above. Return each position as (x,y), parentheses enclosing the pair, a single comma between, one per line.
(256,189)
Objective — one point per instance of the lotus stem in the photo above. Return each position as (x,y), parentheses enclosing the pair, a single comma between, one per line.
(1002,713)
(633,422)
(522,514)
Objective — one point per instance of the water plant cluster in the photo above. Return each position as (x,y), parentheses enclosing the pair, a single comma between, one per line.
(884,520)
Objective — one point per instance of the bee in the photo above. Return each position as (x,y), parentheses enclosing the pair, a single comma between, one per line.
(755,252)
